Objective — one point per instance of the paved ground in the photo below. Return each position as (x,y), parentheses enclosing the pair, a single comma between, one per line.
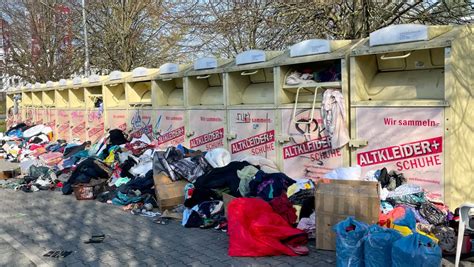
(33,223)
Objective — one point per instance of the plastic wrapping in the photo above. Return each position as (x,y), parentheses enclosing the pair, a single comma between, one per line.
(416,250)
(378,246)
(349,242)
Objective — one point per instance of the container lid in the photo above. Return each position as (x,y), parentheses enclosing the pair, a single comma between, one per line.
(94,78)
(77,81)
(50,84)
(117,76)
(205,63)
(312,47)
(62,82)
(405,33)
(251,56)
(169,68)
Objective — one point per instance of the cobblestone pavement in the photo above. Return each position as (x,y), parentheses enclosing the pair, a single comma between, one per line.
(33,223)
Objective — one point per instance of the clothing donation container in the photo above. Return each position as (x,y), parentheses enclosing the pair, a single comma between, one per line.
(77,105)
(13,106)
(205,102)
(37,98)
(27,96)
(411,104)
(62,109)
(50,105)
(305,72)
(251,104)
(9,102)
(168,101)
(141,116)
(94,107)
(115,101)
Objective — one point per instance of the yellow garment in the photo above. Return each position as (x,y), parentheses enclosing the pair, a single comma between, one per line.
(109,160)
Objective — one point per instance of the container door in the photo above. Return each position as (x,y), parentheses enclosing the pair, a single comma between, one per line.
(95,125)
(51,118)
(39,116)
(141,122)
(116,119)
(310,155)
(29,116)
(63,124)
(78,122)
(407,140)
(254,131)
(169,128)
(207,128)
(10,120)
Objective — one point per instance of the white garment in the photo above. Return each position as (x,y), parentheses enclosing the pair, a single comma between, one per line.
(349,173)
(266,165)
(334,118)
(218,157)
(36,130)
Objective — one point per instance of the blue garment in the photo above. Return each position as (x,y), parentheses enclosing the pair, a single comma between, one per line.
(123,199)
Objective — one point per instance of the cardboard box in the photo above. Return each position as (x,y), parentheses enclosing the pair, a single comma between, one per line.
(168,196)
(338,199)
(227,199)
(162,179)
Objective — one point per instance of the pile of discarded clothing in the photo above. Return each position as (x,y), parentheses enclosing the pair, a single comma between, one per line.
(432,216)
(261,195)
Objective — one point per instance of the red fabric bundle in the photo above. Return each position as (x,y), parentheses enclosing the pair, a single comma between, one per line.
(256,230)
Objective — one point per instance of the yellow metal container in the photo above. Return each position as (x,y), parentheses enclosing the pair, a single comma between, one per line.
(115,101)
(141,116)
(304,147)
(95,114)
(205,102)
(411,93)
(249,85)
(63,120)
(168,102)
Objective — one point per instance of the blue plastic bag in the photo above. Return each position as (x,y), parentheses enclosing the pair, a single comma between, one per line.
(378,244)
(408,220)
(416,250)
(349,243)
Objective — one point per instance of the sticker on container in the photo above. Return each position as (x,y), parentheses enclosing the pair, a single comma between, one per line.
(63,124)
(407,140)
(308,154)
(51,118)
(38,115)
(117,119)
(208,129)
(78,122)
(255,132)
(141,122)
(169,128)
(95,120)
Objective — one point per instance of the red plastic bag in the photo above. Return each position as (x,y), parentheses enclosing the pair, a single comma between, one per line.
(256,230)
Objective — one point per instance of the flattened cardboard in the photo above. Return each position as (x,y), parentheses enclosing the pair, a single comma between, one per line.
(162,179)
(338,199)
(227,199)
(169,196)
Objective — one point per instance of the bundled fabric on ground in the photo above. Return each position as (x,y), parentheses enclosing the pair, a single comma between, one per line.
(415,250)
(349,242)
(256,230)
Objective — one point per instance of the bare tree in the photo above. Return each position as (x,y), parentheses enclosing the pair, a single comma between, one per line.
(42,44)
(127,34)
(227,27)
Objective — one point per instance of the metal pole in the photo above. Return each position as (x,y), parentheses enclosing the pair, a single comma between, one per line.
(86,46)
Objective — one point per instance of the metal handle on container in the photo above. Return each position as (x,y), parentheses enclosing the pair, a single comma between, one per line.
(203,77)
(246,73)
(383,57)
(167,79)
